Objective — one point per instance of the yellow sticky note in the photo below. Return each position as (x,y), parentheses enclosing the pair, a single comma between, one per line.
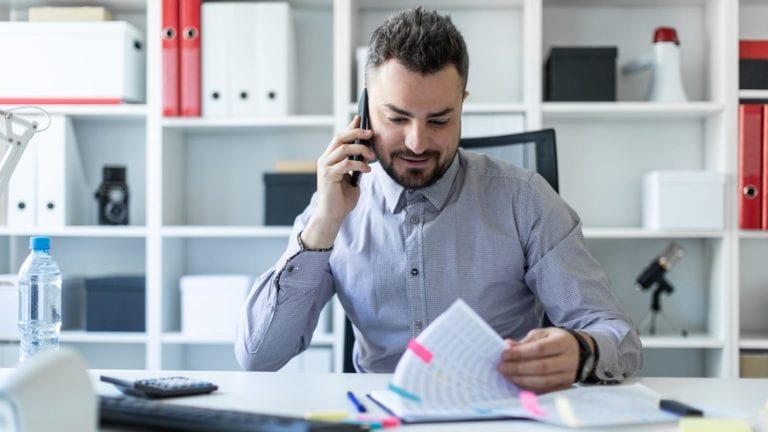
(326,415)
(713,425)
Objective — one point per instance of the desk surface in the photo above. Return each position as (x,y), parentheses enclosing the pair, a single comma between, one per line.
(296,393)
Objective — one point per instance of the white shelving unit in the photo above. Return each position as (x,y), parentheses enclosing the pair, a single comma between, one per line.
(199,191)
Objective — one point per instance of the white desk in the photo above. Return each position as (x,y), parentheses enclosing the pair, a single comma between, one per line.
(294,394)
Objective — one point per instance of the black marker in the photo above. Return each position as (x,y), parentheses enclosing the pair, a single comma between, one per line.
(679,408)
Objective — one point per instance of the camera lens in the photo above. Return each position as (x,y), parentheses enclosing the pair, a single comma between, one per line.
(116,212)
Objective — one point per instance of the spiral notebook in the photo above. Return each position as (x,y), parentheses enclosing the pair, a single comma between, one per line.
(448,373)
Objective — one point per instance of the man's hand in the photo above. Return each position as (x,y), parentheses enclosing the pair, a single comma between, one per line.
(544,360)
(336,197)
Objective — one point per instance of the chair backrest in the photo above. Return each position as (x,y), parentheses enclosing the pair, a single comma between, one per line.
(534,150)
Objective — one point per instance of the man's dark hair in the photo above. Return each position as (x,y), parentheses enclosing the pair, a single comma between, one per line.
(422,41)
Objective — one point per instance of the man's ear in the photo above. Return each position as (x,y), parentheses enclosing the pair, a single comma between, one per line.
(466,93)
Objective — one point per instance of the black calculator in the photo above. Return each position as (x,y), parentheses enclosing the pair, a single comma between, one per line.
(161,387)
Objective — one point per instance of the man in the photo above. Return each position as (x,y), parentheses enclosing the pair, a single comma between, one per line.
(429,224)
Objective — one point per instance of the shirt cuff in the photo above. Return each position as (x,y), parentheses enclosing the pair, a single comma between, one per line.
(607,370)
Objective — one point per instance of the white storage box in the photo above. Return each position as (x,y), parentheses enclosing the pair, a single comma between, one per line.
(684,200)
(9,307)
(211,304)
(72,62)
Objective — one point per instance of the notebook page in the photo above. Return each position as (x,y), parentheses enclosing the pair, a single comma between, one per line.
(453,363)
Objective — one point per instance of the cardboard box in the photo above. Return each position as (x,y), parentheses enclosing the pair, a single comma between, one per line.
(288,194)
(753,64)
(72,62)
(580,74)
(115,303)
(211,304)
(684,200)
(753,364)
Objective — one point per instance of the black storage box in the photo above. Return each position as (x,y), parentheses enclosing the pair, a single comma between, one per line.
(580,74)
(288,194)
(115,303)
(753,64)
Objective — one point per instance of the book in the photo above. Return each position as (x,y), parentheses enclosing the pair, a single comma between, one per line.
(66,13)
(449,373)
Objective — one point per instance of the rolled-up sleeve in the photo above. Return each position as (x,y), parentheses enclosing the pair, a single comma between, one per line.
(574,289)
(283,307)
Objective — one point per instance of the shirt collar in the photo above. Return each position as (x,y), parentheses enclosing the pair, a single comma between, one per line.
(437,194)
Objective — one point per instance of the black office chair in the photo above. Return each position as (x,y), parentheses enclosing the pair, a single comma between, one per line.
(534,150)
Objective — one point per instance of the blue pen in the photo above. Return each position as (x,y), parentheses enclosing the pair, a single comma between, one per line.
(358,405)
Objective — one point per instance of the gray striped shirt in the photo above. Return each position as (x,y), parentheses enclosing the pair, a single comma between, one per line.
(488,232)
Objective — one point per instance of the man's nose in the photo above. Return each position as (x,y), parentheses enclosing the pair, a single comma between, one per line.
(416,139)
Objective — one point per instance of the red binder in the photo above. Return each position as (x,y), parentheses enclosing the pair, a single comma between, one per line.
(750,165)
(764,199)
(170,36)
(189,93)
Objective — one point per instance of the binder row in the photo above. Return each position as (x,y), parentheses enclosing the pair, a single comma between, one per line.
(181,58)
(223,59)
(753,166)
(48,187)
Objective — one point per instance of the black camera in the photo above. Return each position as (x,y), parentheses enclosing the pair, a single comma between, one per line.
(113,197)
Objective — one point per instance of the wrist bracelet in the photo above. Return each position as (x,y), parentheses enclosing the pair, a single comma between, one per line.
(303,249)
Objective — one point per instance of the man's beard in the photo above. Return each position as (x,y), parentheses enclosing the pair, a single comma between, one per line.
(416,178)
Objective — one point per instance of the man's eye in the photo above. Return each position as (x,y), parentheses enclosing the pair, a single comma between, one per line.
(397,119)
(437,122)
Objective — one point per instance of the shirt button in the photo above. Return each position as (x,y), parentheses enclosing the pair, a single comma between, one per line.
(417,324)
(414,219)
(289,268)
(415,271)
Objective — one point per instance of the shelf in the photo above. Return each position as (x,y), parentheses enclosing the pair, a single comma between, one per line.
(112,5)
(178,338)
(754,234)
(631,3)
(393,5)
(81,336)
(77,231)
(694,341)
(478,108)
(88,112)
(493,108)
(754,341)
(248,123)
(628,110)
(226,231)
(753,94)
(641,233)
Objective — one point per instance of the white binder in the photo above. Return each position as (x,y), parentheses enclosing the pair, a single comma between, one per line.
(62,198)
(22,186)
(248,50)
(216,51)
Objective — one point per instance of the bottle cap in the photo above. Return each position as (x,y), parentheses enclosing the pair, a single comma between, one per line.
(39,243)
(665,34)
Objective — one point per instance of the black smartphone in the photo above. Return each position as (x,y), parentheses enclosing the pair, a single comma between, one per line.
(362,110)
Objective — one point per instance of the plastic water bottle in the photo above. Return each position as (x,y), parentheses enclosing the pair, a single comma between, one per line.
(39,300)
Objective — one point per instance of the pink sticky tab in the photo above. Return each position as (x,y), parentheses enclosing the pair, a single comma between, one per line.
(531,403)
(420,351)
